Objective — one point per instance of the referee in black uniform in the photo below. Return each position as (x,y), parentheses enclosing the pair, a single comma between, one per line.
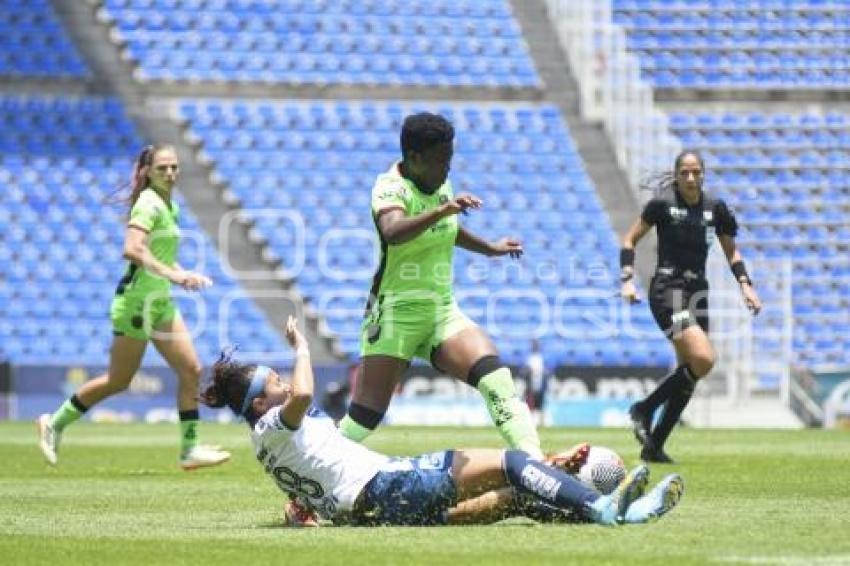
(687,221)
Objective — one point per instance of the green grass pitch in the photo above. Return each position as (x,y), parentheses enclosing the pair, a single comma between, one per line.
(118,497)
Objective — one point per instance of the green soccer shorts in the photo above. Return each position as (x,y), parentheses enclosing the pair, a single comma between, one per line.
(406,331)
(135,317)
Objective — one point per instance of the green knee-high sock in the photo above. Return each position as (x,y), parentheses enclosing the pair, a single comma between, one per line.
(359,422)
(188,430)
(509,413)
(353,430)
(71,410)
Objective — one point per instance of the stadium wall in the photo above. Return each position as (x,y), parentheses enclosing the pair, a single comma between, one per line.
(150,398)
(575,396)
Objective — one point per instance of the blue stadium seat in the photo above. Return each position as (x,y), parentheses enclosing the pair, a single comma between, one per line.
(61,253)
(507,154)
(765,46)
(395,42)
(797,209)
(33,43)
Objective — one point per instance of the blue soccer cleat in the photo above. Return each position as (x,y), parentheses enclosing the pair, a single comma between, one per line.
(661,499)
(609,509)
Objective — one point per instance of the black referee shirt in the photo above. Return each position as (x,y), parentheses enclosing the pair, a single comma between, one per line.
(685,233)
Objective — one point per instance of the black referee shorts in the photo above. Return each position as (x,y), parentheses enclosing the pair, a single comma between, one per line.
(678,303)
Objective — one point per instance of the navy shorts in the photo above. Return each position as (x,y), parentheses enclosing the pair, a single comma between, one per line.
(409,491)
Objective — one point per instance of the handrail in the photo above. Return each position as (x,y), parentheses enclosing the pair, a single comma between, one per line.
(611,88)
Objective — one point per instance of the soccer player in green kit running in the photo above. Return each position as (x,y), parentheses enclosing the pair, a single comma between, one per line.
(411,310)
(143,310)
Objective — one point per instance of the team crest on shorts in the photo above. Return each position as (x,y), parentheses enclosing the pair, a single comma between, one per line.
(373,332)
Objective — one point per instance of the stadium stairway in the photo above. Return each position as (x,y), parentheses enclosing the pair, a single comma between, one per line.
(258,277)
(156,94)
(592,142)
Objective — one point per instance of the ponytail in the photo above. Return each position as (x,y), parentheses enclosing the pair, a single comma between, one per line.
(657,184)
(229,383)
(138,177)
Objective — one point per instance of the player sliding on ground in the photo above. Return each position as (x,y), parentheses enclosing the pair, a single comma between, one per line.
(347,483)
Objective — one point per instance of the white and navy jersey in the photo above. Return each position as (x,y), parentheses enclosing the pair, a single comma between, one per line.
(314,462)
(685,233)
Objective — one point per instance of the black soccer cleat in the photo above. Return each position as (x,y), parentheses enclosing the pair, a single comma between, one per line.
(641,423)
(656,455)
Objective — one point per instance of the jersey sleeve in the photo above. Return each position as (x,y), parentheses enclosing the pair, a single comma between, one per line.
(725,223)
(271,428)
(653,212)
(144,213)
(387,195)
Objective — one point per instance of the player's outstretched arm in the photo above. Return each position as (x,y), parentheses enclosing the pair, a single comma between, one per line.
(396,228)
(739,270)
(505,246)
(295,407)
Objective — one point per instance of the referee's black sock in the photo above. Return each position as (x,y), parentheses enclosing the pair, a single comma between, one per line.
(671,414)
(679,379)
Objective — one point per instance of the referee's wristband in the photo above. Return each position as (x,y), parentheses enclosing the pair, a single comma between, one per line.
(627,257)
(739,270)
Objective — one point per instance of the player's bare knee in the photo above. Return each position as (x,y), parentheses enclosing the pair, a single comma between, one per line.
(701,363)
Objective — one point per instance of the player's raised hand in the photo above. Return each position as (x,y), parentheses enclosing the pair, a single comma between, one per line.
(461,203)
(570,460)
(293,335)
(507,246)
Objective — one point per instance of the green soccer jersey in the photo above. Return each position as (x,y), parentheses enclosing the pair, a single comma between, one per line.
(153,214)
(419,270)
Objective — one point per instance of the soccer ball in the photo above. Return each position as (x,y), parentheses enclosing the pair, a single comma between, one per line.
(603,471)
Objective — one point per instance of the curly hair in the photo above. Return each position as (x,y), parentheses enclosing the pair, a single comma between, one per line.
(229,383)
(424,130)
(659,183)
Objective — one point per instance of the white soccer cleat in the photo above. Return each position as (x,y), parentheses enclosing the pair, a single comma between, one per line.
(201,456)
(48,438)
